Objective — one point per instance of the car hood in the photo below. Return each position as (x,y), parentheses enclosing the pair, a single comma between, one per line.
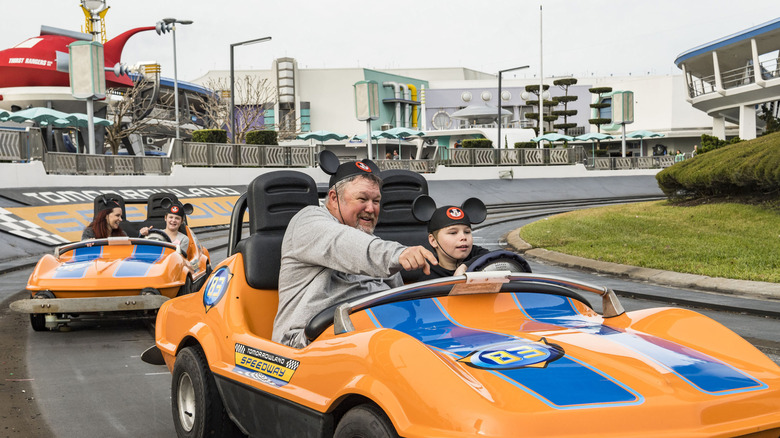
(549,349)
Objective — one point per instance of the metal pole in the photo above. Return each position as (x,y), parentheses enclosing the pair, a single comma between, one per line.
(232,100)
(368,139)
(624,140)
(175,80)
(232,85)
(499,109)
(91,125)
(541,80)
(500,72)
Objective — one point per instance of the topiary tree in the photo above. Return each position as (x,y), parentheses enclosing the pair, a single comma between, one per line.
(534,89)
(565,100)
(598,91)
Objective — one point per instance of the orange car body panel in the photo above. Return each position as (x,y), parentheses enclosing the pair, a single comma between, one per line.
(645,373)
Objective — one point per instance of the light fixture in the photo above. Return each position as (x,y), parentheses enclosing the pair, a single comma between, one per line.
(165,25)
(232,84)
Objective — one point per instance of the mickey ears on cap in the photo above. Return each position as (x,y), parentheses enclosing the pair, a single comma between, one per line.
(423,208)
(475,209)
(329,162)
(166,203)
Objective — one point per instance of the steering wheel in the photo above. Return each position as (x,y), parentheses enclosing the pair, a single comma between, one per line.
(155,234)
(500,261)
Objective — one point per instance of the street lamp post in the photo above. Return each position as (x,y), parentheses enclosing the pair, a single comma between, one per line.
(165,25)
(232,84)
(500,72)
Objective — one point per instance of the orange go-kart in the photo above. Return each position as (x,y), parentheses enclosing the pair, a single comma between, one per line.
(491,353)
(118,274)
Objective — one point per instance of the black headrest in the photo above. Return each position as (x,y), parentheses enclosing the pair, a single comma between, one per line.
(399,190)
(154,205)
(274,198)
(106,199)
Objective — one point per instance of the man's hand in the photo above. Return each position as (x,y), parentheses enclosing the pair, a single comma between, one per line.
(460,270)
(416,257)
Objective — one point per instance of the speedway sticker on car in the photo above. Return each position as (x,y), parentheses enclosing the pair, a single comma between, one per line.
(263,366)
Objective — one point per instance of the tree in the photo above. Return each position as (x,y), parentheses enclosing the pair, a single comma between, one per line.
(254,97)
(129,108)
(534,89)
(565,100)
(598,121)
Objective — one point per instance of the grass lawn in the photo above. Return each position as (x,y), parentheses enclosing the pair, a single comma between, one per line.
(719,240)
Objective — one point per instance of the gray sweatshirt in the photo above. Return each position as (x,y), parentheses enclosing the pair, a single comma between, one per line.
(325,262)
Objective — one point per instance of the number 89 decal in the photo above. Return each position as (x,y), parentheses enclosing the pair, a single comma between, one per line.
(512,355)
(216,287)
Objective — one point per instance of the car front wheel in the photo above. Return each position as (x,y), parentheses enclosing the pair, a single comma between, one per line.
(197,407)
(365,421)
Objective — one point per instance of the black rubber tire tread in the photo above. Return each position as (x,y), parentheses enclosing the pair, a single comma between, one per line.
(211,418)
(365,421)
(38,322)
(186,288)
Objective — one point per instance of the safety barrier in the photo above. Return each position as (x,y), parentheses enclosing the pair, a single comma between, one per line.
(25,145)
(515,157)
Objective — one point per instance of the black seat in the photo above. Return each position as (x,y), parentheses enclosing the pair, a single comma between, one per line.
(155,211)
(399,189)
(272,200)
(101,201)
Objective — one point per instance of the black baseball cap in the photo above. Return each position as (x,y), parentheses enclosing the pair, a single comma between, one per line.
(330,164)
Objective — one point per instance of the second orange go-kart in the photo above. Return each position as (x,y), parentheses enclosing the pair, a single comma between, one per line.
(116,274)
(490,353)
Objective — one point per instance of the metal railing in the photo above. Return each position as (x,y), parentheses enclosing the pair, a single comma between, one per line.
(623,163)
(733,78)
(515,157)
(26,145)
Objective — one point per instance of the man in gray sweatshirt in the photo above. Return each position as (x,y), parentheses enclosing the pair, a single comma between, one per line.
(330,254)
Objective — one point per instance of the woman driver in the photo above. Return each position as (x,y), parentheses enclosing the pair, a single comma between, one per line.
(173,220)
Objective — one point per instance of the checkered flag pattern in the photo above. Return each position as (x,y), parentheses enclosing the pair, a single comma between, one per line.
(13,224)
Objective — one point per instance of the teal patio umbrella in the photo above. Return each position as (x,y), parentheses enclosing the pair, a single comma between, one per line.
(38,115)
(641,135)
(4,115)
(321,136)
(552,137)
(81,120)
(593,137)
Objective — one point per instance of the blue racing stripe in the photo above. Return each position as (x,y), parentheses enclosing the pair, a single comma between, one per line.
(565,383)
(80,261)
(139,263)
(701,371)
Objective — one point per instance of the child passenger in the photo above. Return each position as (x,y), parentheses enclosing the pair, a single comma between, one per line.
(449,233)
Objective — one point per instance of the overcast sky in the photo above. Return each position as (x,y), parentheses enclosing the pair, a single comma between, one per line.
(580,37)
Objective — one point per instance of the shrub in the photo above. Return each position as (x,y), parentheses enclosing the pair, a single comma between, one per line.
(478,143)
(209,136)
(709,143)
(525,145)
(745,169)
(262,137)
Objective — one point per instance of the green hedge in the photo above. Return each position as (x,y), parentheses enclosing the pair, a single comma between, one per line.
(209,136)
(749,168)
(262,137)
(525,145)
(478,143)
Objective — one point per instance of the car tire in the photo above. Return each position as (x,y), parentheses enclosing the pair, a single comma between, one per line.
(38,322)
(186,288)
(365,421)
(197,406)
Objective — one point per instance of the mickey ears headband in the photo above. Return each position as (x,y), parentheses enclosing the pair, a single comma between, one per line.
(176,208)
(107,203)
(472,211)
(330,164)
